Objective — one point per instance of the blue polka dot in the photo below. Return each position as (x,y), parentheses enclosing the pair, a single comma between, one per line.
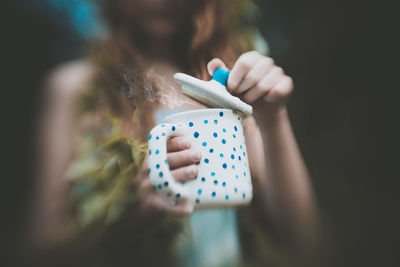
(162,125)
(236,190)
(205,121)
(238,118)
(236,176)
(159,186)
(191,124)
(211,150)
(178,196)
(163,134)
(212,173)
(224,165)
(199,191)
(150,137)
(226,197)
(244,153)
(213,194)
(215,134)
(149,170)
(149,151)
(224,184)
(197,201)
(233,166)
(157,152)
(235,128)
(221,114)
(244,195)
(196,134)
(166,161)
(173,128)
(234,149)
(223,141)
(157,166)
(206,161)
(160,174)
(241,147)
(204,144)
(221,155)
(244,173)
(216,121)
(203,179)
(239,158)
(157,138)
(224,130)
(232,156)
(234,135)
(215,182)
(166,184)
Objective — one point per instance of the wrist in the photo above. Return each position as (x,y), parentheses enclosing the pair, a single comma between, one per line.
(270,116)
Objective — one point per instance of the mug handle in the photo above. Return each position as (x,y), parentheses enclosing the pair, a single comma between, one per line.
(159,172)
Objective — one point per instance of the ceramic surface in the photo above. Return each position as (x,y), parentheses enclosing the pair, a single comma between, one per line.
(224,176)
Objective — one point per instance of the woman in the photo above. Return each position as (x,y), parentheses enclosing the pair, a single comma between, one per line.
(148,43)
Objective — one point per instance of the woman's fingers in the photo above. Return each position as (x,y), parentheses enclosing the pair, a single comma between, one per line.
(181,209)
(185,174)
(183,158)
(214,64)
(264,86)
(280,91)
(178,143)
(241,68)
(142,175)
(151,201)
(255,74)
(145,186)
(182,174)
(158,203)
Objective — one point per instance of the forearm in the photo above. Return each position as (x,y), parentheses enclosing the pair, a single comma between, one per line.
(288,195)
(49,218)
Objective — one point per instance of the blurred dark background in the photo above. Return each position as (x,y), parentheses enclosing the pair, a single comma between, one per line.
(343,58)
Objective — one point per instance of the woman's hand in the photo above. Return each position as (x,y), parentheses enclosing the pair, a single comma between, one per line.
(182,161)
(257,77)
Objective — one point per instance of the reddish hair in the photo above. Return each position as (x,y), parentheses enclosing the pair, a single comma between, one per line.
(212,32)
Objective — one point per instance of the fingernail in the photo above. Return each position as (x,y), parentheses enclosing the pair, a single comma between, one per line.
(189,208)
(195,155)
(184,143)
(191,170)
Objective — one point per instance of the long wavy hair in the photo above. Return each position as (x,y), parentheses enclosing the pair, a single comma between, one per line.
(129,88)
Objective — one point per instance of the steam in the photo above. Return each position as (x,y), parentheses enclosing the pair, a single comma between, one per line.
(138,85)
(152,87)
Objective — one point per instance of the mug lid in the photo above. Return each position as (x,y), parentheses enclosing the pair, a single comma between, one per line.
(212,93)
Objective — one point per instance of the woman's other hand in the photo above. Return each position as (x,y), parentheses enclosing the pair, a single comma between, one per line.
(256,77)
(182,161)
(283,186)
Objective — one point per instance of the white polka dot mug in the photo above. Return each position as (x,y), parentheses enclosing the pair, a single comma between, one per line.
(224,177)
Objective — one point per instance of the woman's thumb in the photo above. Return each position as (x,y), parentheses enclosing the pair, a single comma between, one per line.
(215,64)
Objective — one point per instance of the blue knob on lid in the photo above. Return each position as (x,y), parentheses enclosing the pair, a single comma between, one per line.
(221,75)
